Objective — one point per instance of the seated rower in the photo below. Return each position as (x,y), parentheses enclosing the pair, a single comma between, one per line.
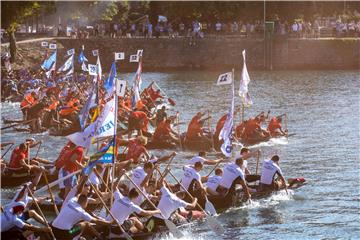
(136,148)
(195,131)
(164,134)
(168,204)
(12,224)
(202,158)
(123,207)
(233,175)
(213,182)
(141,176)
(138,120)
(270,168)
(161,115)
(18,163)
(274,127)
(246,154)
(73,220)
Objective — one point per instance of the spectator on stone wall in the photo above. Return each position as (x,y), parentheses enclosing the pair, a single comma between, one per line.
(218,27)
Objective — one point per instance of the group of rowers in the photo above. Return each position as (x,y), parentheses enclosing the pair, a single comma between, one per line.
(177,202)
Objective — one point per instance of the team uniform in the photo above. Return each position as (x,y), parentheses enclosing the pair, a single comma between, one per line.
(190,174)
(195,160)
(268,171)
(232,172)
(213,182)
(135,149)
(11,224)
(70,167)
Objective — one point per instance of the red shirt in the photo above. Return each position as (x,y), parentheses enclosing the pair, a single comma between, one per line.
(139,115)
(250,127)
(70,166)
(273,125)
(60,161)
(16,157)
(194,128)
(163,129)
(239,130)
(135,149)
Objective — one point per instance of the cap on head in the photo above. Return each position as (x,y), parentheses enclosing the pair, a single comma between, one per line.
(275,158)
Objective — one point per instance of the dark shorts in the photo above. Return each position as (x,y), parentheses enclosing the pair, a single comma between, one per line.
(14,233)
(25,216)
(65,234)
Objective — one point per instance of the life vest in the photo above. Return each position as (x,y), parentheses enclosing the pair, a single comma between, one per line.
(135,149)
(28,101)
(163,129)
(194,128)
(16,157)
(274,124)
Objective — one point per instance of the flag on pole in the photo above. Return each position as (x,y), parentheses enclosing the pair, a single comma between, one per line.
(119,56)
(109,83)
(105,155)
(48,63)
(225,78)
(226,131)
(99,69)
(69,63)
(244,82)
(103,126)
(70,52)
(84,113)
(137,84)
(82,57)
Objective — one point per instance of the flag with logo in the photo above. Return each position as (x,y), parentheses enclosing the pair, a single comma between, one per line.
(244,82)
(105,155)
(50,62)
(226,131)
(104,126)
(225,78)
(68,65)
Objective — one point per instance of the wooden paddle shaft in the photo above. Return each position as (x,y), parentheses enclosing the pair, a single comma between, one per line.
(217,164)
(42,214)
(51,195)
(257,162)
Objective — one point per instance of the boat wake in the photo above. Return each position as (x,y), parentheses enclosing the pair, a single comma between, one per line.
(272,142)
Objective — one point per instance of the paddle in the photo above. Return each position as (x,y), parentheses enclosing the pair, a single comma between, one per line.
(171,101)
(16,124)
(44,188)
(217,164)
(257,162)
(42,214)
(37,152)
(51,195)
(7,150)
(178,129)
(214,225)
(170,225)
(211,134)
(127,236)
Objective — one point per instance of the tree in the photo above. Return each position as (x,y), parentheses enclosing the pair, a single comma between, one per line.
(13,14)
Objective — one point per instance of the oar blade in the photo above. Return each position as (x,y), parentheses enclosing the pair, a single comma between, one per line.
(209,208)
(173,229)
(215,225)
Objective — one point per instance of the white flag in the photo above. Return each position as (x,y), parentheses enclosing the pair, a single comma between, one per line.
(52,46)
(83,67)
(103,126)
(120,87)
(119,56)
(225,78)
(140,52)
(44,44)
(71,52)
(226,131)
(134,58)
(99,69)
(92,69)
(95,52)
(69,63)
(244,82)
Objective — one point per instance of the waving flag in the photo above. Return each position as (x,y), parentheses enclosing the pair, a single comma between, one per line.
(99,69)
(84,113)
(109,83)
(82,57)
(225,78)
(244,82)
(104,126)
(69,64)
(105,155)
(50,62)
(226,131)
(137,84)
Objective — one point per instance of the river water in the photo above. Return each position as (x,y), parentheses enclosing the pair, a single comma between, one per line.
(323,111)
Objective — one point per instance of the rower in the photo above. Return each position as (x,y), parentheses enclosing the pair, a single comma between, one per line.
(274,127)
(141,176)
(161,115)
(123,207)
(138,120)
(12,225)
(29,100)
(73,220)
(168,204)
(194,130)
(213,182)
(232,175)
(164,133)
(246,154)
(270,168)
(202,158)
(18,163)
(136,147)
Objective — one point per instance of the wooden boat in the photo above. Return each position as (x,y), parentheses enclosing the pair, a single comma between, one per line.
(13,179)
(196,145)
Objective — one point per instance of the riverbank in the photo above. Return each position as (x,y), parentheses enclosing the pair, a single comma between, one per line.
(209,53)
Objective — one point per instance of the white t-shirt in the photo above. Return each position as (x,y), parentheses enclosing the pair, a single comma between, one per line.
(213,182)
(71,214)
(189,174)
(9,220)
(195,160)
(138,175)
(122,208)
(268,171)
(230,173)
(244,166)
(169,202)
(94,179)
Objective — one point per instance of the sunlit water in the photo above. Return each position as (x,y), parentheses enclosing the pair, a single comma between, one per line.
(323,111)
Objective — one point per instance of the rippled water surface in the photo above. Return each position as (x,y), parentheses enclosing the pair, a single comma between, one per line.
(323,109)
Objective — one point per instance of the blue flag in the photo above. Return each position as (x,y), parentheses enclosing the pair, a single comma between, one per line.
(82,57)
(48,63)
(109,83)
(84,113)
(105,155)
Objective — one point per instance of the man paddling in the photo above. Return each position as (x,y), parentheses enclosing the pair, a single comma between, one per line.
(274,127)
(270,169)
(195,131)
(202,158)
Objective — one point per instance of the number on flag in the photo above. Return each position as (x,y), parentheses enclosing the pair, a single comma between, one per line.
(225,78)
(52,46)
(71,52)
(95,52)
(140,52)
(119,56)
(120,88)
(44,44)
(134,58)
(92,69)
